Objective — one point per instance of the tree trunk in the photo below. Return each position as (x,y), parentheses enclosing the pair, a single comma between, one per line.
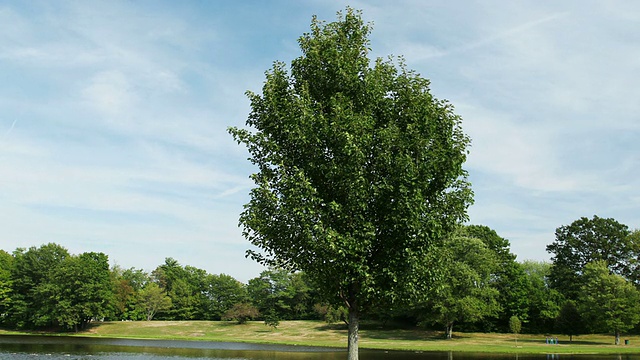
(354,319)
(448,332)
(617,337)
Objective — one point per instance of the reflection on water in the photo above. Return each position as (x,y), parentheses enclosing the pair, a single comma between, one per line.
(76,348)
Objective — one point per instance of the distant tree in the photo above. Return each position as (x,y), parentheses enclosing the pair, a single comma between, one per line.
(6,264)
(587,240)
(82,290)
(272,319)
(186,286)
(123,296)
(331,314)
(282,293)
(33,299)
(359,171)
(509,277)
(137,278)
(127,284)
(544,301)
(223,291)
(466,292)
(153,299)
(608,302)
(515,325)
(569,321)
(241,312)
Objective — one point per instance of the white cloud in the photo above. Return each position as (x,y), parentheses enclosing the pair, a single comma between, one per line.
(114,115)
(520,152)
(111,93)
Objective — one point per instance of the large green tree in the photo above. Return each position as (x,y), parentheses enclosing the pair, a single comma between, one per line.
(544,302)
(33,299)
(127,285)
(569,321)
(280,293)
(607,301)
(467,292)
(6,264)
(509,277)
(359,170)
(587,240)
(223,291)
(152,300)
(186,286)
(82,290)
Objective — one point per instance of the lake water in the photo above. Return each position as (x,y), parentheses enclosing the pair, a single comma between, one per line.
(78,348)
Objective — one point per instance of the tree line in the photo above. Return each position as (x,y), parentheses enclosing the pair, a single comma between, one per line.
(591,285)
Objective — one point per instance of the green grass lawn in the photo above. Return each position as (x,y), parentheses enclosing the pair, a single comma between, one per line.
(316,333)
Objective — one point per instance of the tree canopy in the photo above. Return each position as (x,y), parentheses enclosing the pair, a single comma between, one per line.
(466,292)
(359,169)
(586,240)
(608,302)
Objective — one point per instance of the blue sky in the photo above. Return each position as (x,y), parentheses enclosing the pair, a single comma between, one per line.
(113,115)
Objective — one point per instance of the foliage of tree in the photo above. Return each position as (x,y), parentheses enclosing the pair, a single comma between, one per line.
(222,292)
(82,290)
(544,301)
(281,293)
(330,313)
(33,292)
(608,302)
(241,313)
(587,240)
(569,321)
(272,319)
(509,277)
(6,264)
(515,326)
(467,292)
(359,170)
(187,287)
(153,299)
(126,293)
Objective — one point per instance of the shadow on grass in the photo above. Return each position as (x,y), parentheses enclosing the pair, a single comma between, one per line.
(542,341)
(404,335)
(332,327)
(387,332)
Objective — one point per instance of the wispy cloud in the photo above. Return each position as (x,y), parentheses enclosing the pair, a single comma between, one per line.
(113,115)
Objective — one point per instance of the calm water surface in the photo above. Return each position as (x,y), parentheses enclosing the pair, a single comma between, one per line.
(75,348)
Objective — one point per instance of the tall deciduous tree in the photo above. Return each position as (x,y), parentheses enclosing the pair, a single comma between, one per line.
(467,292)
(223,291)
(569,321)
(33,295)
(544,301)
(509,277)
(186,286)
(359,170)
(6,264)
(586,240)
(153,299)
(82,290)
(607,301)
(126,288)
(515,325)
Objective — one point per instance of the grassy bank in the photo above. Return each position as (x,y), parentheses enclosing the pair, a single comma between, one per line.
(316,333)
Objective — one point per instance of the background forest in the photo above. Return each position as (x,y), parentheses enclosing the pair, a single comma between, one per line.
(591,285)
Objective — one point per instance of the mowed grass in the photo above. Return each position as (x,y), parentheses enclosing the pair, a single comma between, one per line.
(316,333)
